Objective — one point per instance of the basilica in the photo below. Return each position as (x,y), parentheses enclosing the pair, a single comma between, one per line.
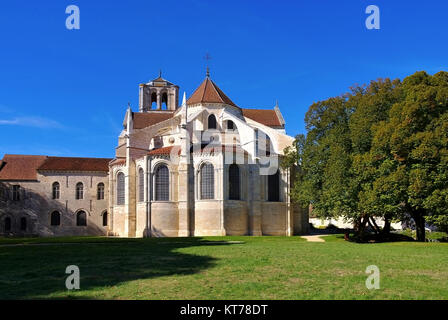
(201,166)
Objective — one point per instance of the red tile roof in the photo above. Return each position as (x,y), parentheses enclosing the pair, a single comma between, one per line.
(20,167)
(264,116)
(164,151)
(146,119)
(75,164)
(202,148)
(209,92)
(117,161)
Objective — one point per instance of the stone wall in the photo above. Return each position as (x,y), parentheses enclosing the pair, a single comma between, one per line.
(36,205)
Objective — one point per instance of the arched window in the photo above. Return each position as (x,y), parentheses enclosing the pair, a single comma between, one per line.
(79,191)
(55,218)
(100,191)
(141,185)
(164,101)
(7,224)
(120,188)
(154,101)
(105,219)
(230,125)
(23,224)
(162,183)
(268,145)
(212,122)
(274,187)
(56,190)
(81,219)
(207,181)
(234,182)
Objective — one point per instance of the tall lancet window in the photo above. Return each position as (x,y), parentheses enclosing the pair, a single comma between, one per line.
(141,185)
(162,183)
(100,191)
(79,191)
(207,181)
(274,187)
(212,122)
(120,188)
(234,182)
(56,190)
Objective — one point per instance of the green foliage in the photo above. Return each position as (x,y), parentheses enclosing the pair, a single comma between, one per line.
(379,151)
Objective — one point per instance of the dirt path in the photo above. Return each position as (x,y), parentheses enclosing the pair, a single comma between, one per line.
(315,238)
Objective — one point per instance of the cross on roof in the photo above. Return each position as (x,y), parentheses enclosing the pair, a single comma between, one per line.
(207,58)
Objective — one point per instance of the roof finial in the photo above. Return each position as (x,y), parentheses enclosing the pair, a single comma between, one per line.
(207,58)
(160,73)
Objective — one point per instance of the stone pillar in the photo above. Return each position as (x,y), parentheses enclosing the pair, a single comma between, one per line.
(130,202)
(183,187)
(289,208)
(141,100)
(219,174)
(170,102)
(110,199)
(254,193)
(183,203)
(159,101)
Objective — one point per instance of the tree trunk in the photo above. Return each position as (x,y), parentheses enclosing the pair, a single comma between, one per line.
(386,229)
(360,225)
(419,220)
(378,229)
(372,226)
(357,224)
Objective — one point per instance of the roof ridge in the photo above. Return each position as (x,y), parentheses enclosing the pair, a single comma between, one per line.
(77,157)
(24,155)
(205,88)
(214,85)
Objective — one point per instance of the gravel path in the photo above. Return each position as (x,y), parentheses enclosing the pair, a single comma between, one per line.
(315,238)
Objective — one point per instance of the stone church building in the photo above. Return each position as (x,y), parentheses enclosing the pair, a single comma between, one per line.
(204,166)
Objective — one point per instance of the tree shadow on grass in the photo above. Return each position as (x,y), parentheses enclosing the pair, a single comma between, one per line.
(38,272)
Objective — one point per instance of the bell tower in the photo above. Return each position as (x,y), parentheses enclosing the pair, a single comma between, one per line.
(158,94)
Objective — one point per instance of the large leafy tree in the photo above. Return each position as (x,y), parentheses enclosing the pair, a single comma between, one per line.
(379,151)
(370,105)
(410,152)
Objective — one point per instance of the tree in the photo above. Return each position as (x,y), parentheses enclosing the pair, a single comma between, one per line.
(410,152)
(378,151)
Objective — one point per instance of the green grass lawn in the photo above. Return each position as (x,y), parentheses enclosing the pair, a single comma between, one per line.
(221,268)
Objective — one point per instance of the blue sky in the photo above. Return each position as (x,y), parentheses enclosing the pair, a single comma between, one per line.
(64,92)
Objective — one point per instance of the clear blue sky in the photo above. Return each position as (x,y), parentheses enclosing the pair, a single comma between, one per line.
(64,92)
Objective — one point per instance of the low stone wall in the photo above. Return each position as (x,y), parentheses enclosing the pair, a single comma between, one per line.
(342,224)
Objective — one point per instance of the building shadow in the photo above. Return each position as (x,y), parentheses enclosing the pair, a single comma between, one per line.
(37,271)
